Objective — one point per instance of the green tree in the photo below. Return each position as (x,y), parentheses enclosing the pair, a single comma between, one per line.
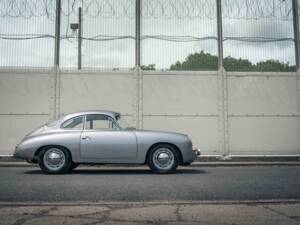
(197,61)
(206,61)
(274,66)
(149,67)
(233,64)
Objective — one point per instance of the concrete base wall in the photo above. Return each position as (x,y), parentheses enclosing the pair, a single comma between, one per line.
(262,109)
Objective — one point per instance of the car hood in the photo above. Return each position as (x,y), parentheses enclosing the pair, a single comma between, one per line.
(158,132)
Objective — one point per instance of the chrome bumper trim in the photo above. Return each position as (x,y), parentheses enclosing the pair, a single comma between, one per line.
(197,152)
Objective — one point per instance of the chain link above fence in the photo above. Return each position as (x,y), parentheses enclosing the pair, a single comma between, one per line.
(234,9)
(193,12)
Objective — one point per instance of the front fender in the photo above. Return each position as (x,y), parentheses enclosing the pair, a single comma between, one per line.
(146,139)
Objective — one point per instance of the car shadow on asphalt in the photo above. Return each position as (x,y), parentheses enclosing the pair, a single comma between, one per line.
(117,171)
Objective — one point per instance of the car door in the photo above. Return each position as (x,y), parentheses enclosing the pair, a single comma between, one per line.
(103,139)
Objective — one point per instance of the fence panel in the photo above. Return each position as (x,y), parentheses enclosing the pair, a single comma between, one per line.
(108,29)
(262,95)
(263,118)
(264,136)
(27,33)
(258,35)
(263,114)
(179,38)
(15,127)
(110,91)
(26,102)
(22,93)
(183,102)
(177,35)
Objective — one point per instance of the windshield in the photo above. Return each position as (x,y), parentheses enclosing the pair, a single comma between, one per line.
(124,122)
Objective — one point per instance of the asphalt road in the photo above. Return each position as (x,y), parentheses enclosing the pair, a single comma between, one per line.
(139,184)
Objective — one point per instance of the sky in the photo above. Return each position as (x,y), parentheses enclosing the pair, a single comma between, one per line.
(120,53)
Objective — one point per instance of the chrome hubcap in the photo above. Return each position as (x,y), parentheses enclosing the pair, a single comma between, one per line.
(54,159)
(163,158)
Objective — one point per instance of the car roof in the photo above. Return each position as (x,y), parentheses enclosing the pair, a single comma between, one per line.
(112,114)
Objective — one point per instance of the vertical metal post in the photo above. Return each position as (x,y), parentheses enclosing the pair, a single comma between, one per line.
(138,105)
(297,52)
(296,32)
(57,33)
(138,33)
(222,90)
(220,33)
(56,76)
(79,37)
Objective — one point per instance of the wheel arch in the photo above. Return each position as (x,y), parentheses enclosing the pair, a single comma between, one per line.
(166,143)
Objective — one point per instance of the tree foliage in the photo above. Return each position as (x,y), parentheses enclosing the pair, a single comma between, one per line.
(274,66)
(148,67)
(206,61)
(197,61)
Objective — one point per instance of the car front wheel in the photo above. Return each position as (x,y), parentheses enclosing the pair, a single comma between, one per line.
(55,160)
(163,158)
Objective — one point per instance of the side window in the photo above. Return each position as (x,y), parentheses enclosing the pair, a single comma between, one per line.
(73,123)
(102,122)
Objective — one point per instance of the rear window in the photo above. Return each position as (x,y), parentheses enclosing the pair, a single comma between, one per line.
(53,123)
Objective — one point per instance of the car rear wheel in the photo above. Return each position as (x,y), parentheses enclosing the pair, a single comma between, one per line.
(55,160)
(163,158)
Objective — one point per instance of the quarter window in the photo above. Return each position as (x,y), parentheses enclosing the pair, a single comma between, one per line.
(73,123)
(102,122)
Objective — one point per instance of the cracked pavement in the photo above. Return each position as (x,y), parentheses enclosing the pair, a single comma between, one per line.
(155,213)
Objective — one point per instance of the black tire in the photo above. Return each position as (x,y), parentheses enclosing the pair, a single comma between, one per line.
(65,167)
(74,165)
(155,150)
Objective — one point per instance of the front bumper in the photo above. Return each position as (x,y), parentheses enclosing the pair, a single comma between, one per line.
(197,153)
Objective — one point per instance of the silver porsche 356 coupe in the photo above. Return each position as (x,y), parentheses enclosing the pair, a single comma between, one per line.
(93,137)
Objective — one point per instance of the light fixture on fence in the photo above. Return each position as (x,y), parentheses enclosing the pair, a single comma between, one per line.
(77,29)
(74,27)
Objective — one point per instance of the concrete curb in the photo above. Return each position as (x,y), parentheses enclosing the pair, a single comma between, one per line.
(17,164)
(195,164)
(134,203)
(245,163)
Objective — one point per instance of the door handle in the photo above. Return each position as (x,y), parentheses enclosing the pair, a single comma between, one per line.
(86,138)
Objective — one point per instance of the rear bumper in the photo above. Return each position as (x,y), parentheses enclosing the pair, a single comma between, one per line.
(15,155)
(21,153)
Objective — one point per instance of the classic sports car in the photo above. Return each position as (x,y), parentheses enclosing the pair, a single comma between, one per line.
(93,137)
